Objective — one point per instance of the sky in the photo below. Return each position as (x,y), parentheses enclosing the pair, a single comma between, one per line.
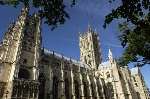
(65,38)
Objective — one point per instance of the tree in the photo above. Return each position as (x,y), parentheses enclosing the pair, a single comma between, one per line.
(53,11)
(135,30)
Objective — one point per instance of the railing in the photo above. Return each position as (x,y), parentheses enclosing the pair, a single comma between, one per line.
(76,62)
(25,89)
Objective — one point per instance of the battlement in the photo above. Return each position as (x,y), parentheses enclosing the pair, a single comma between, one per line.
(60,56)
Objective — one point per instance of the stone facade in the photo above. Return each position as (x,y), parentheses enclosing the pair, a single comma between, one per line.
(19,58)
(28,71)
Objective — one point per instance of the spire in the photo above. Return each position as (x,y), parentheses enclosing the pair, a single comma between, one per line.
(89,28)
(110,56)
(24,13)
(25,9)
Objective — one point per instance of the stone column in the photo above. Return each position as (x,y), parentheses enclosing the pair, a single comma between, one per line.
(102,90)
(51,84)
(61,84)
(96,88)
(72,87)
(28,91)
(89,87)
(37,91)
(80,85)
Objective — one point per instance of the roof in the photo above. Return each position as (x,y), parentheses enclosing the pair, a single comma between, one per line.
(76,62)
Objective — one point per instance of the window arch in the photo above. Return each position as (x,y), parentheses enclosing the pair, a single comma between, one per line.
(23,73)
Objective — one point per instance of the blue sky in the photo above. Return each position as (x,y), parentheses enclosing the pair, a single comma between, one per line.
(64,39)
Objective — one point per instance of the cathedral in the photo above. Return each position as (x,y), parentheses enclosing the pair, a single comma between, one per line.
(28,71)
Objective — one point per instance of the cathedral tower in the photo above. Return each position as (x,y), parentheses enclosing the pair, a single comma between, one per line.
(89,48)
(29,54)
(9,49)
(19,56)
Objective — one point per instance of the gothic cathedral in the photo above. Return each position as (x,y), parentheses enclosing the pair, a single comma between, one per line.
(28,71)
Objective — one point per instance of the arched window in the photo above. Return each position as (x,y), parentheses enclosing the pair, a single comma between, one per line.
(67,89)
(85,90)
(23,74)
(76,89)
(110,90)
(55,88)
(42,80)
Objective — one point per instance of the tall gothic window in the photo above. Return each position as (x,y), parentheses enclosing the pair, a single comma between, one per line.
(108,90)
(67,89)
(55,88)
(76,89)
(85,90)
(42,85)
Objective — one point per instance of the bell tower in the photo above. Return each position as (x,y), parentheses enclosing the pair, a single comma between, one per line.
(89,48)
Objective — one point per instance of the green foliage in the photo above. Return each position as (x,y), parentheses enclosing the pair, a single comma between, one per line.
(135,39)
(52,11)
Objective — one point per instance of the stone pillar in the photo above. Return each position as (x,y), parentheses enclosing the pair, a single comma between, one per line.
(89,87)
(102,90)
(37,92)
(28,91)
(72,87)
(51,85)
(61,84)
(96,88)
(80,85)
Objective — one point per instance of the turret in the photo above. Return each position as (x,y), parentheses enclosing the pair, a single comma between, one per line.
(110,56)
